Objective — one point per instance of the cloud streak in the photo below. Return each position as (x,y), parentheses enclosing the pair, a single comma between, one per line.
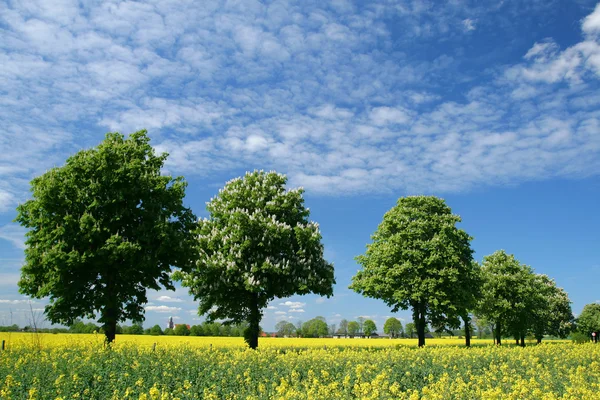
(163,309)
(168,299)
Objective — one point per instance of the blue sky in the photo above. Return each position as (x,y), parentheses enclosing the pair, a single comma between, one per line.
(493,106)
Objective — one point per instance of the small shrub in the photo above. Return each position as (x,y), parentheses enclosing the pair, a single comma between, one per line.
(578,337)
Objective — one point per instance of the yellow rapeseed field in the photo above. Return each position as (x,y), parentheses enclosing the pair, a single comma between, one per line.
(60,340)
(80,367)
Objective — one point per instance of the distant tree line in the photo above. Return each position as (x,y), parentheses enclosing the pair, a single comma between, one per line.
(204,329)
(28,328)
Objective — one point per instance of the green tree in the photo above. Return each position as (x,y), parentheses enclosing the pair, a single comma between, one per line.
(481,324)
(299,328)
(285,328)
(239,329)
(11,328)
(169,331)
(392,327)
(410,329)
(465,293)
(103,228)
(417,260)
(315,328)
(225,330)
(552,314)
(353,328)
(77,326)
(91,327)
(196,330)
(256,245)
(506,293)
(136,329)
(589,319)
(369,327)
(211,328)
(181,330)
(156,330)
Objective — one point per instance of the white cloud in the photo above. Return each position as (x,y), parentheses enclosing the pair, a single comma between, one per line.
(163,309)
(297,310)
(591,23)
(280,313)
(321,300)
(469,24)
(389,115)
(271,308)
(168,299)
(293,304)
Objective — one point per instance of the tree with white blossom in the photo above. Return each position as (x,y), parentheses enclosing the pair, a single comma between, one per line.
(256,245)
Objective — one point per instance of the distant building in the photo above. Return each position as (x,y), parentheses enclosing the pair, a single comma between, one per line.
(170,324)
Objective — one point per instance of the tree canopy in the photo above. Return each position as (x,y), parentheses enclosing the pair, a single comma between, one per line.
(156,330)
(589,319)
(409,329)
(315,328)
(418,259)
(257,244)
(353,328)
(102,229)
(181,330)
(517,301)
(552,314)
(285,328)
(369,327)
(504,292)
(392,327)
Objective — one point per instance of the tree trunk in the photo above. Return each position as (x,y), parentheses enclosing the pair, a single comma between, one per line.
(110,313)
(110,330)
(539,340)
(522,339)
(421,325)
(109,318)
(516,341)
(498,334)
(467,323)
(252,331)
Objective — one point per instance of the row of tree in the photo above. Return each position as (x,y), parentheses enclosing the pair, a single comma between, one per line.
(420,260)
(108,225)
